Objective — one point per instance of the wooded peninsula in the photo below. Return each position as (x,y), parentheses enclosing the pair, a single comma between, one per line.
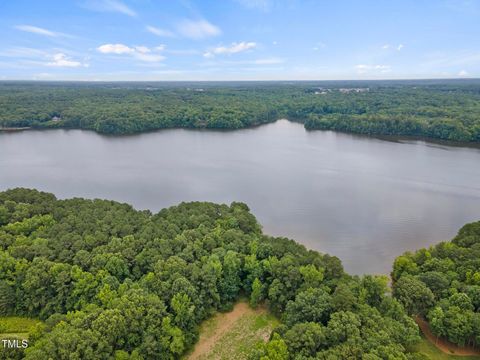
(108,281)
(438,109)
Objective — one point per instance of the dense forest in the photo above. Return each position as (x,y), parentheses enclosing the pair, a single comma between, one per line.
(441,109)
(442,284)
(109,281)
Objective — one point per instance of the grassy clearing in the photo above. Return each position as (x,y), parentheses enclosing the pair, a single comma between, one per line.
(16,327)
(428,349)
(234,334)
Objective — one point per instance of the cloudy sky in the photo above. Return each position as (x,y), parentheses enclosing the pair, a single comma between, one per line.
(239,39)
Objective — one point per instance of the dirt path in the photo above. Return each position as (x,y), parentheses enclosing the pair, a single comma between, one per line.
(445,346)
(223,322)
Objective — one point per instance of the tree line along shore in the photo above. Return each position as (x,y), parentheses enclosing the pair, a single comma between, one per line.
(435,109)
(114,282)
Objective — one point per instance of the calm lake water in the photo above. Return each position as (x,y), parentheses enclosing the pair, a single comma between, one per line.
(362,199)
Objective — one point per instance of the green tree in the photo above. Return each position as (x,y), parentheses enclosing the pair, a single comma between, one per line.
(257,293)
(343,326)
(436,318)
(404,265)
(343,298)
(311,305)
(184,312)
(312,276)
(231,282)
(414,295)
(305,339)
(275,349)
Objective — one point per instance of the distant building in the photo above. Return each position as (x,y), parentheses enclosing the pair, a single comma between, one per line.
(349,90)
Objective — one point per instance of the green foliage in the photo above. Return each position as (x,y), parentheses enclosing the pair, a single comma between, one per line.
(113,282)
(414,295)
(349,318)
(275,349)
(257,293)
(306,339)
(441,284)
(343,325)
(311,305)
(447,110)
(230,283)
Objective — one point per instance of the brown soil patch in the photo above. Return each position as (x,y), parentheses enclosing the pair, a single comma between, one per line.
(444,345)
(223,323)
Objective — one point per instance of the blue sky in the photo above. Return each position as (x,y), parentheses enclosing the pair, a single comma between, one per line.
(238,39)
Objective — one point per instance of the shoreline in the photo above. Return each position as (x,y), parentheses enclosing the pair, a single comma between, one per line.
(13,129)
(403,139)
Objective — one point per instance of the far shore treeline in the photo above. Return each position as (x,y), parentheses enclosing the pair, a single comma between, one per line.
(111,282)
(437,109)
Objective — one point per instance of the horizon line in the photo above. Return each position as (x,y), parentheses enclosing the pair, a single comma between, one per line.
(240,80)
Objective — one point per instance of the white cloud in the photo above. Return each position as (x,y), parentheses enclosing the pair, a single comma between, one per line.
(117,6)
(463,73)
(38,30)
(232,49)
(143,49)
(263,5)
(160,32)
(28,57)
(149,57)
(142,53)
(239,63)
(62,60)
(364,69)
(109,6)
(389,46)
(197,29)
(23,52)
(185,52)
(115,49)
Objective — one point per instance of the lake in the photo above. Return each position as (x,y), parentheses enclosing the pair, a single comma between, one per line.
(362,199)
